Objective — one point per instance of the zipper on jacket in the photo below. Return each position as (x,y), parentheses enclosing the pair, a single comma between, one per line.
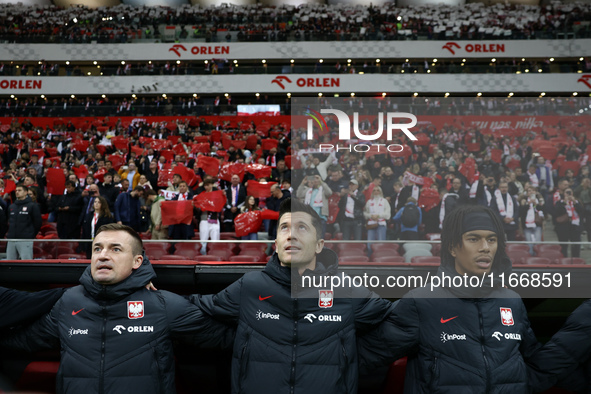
(103,344)
(243,361)
(345,367)
(482,339)
(433,373)
(292,379)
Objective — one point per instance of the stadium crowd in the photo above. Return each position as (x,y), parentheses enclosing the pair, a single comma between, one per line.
(526,176)
(123,23)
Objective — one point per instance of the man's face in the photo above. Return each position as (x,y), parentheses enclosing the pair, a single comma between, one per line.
(108,165)
(153,165)
(477,252)
(456,184)
(296,241)
(316,182)
(503,187)
(183,188)
(93,190)
(562,185)
(208,187)
(125,184)
(176,179)
(112,258)
(131,166)
(352,187)
(235,180)
(28,181)
(70,189)
(108,178)
(20,193)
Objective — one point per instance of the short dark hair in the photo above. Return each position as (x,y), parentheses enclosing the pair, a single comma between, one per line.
(151,192)
(138,245)
(451,232)
(184,183)
(22,185)
(139,189)
(291,205)
(70,183)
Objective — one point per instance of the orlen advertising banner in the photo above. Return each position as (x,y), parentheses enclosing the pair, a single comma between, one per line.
(297,50)
(298,83)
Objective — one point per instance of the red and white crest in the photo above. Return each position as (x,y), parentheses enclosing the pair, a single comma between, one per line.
(507,317)
(325,298)
(135,309)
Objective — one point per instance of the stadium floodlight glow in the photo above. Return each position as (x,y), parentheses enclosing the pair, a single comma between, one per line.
(479,94)
(446,94)
(434,60)
(133,95)
(292,61)
(464,60)
(88,73)
(352,94)
(575,93)
(164,95)
(95,62)
(522,59)
(428,71)
(399,18)
(257,94)
(402,71)
(384,94)
(493,60)
(73,96)
(551,59)
(527,70)
(415,94)
(581,59)
(348,60)
(194,94)
(321,61)
(67,63)
(263,61)
(235,61)
(320,94)
(288,94)
(542,94)
(377,60)
(12,96)
(122,61)
(178,62)
(539,70)
(511,94)
(104,96)
(42,96)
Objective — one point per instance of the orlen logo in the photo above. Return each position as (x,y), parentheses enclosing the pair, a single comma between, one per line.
(585,79)
(282,80)
(477,48)
(201,50)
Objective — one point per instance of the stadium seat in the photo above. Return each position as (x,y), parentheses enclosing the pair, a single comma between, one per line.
(395,378)
(354,259)
(426,259)
(436,250)
(207,258)
(252,246)
(414,253)
(72,256)
(39,377)
(351,252)
(541,248)
(385,246)
(388,259)
(384,253)
(222,254)
(261,255)
(537,261)
(245,258)
(155,253)
(518,256)
(351,246)
(551,255)
(515,247)
(416,245)
(172,257)
(570,260)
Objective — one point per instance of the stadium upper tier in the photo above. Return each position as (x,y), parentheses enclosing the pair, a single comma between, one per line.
(312,22)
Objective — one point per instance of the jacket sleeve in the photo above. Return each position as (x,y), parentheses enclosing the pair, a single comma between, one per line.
(118,203)
(17,307)
(563,354)
(36,217)
(224,305)
(370,309)
(41,335)
(187,321)
(395,337)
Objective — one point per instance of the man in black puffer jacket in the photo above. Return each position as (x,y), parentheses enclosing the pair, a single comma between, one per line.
(24,222)
(303,342)
(566,358)
(115,334)
(460,339)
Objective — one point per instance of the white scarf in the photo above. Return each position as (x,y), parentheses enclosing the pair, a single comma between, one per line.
(415,192)
(533,179)
(318,199)
(530,218)
(376,207)
(572,213)
(506,212)
(349,208)
(474,189)
(442,209)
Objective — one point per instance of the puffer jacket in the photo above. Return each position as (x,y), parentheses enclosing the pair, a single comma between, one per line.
(458,340)
(24,219)
(117,338)
(288,345)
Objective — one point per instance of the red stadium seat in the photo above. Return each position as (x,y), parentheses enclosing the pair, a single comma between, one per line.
(541,248)
(426,259)
(570,260)
(252,246)
(223,255)
(353,252)
(172,257)
(207,258)
(38,376)
(385,246)
(537,261)
(395,379)
(516,247)
(551,255)
(354,259)
(518,256)
(384,253)
(245,258)
(72,256)
(155,253)
(388,259)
